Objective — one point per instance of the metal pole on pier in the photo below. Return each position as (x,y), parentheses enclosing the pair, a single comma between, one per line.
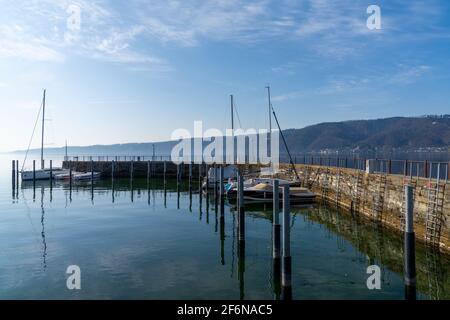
(287,261)
(190,177)
(164,173)
(34,174)
(221,192)
(14,172)
(148,175)
(276,250)
(241,235)
(207,192)
(241,223)
(276,220)
(51,175)
(200,178)
(216,196)
(17,174)
(112,179)
(70,178)
(131,179)
(409,246)
(13,178)
(92,179)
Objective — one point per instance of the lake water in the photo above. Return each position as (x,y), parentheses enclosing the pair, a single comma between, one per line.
(143,243)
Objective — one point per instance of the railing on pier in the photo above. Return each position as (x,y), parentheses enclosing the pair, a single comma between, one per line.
(117,158)
(412,168)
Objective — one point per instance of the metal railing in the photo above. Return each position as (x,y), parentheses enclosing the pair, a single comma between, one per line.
(412,168)
(116,158)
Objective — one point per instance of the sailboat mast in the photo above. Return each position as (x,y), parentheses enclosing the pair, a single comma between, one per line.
(43,127)
(269,150)
(232,113)
(270,110)
(232,125)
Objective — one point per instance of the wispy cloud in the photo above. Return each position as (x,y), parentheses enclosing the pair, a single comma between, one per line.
(401,75)
(409,74)
(43,35)
(130,32)
(16,43)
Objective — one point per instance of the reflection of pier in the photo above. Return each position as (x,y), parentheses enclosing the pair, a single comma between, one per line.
(367,237)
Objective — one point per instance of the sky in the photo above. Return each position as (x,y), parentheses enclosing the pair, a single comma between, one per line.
(135,71)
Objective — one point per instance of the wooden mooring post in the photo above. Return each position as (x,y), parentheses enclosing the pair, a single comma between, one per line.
(221,191)
(113,164)
(276,220)
(286,280)
(13,181)
(190,178)
(92,180)
(17,175)
(149,168)
(241,220)
(51,177)
(164,173)
(34,174)
(409,245)
(200,178)
(276,233)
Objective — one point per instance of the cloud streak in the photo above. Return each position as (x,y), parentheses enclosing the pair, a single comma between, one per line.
(131,32)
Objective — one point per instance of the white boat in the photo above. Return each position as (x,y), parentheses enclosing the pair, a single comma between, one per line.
(86,176)
(229,173)
(78,176)
(263,193)
(43,174)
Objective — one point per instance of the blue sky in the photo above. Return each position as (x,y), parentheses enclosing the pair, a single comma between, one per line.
(137,70)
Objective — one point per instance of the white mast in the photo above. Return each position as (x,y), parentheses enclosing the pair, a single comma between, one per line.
(269,150)
(232,126)
(270,110)
(232,114)
(43,126)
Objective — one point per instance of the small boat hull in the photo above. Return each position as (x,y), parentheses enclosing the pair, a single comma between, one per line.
(296,196)
(42,174)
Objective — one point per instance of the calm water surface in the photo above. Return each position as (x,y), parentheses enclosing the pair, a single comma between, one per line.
(139,243)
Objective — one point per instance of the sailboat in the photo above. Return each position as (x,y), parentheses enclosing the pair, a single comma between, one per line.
(230,172)
(260,189)
(43,173)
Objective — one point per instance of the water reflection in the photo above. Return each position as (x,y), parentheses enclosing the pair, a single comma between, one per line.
(385,247)
(44,242)
(372,244)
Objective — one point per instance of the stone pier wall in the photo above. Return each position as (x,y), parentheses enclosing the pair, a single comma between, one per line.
(345,180)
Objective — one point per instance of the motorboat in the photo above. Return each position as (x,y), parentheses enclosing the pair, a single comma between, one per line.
(79,176)
(43,174)
(263,193)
